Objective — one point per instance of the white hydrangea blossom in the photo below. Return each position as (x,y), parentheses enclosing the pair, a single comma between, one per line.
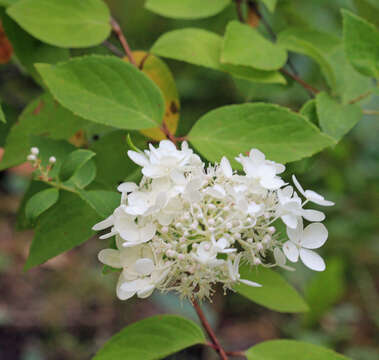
(186,227)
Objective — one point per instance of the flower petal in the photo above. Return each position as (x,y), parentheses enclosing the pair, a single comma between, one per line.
(312,260)
(147,232)
(298,186)
(250,283)
(314,236)
(104,224)
(313,215)
(110,257)
(139,158)
(127,187)
(317,198)
(144,266)
(226,167)
(291,251)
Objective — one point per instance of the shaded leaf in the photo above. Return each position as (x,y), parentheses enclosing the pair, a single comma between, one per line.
(361,40)
(36,120)
(201,47)
(105,90)
(282,135)
(102,201)
(65,225)
(244,45)
(336,119)
(74,162)
(83,176)
(2,116)
(164,335)
(290,349)
(186,9)
(41,202)
(276,293)
(309,110)
(270,4)
(67,23)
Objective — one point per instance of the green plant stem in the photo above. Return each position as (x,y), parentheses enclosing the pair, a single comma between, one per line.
(239,10)
(59,185)
(209,331)
(124,43)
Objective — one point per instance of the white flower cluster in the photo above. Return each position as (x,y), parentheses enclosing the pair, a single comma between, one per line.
(186,227)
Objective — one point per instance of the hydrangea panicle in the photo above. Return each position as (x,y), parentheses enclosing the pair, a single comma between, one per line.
(187,227)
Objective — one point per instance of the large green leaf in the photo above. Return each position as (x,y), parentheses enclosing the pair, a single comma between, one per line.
(102,201)
(67,224)
(7,2)
(336,119)
(152,339)
(186,9)
(106,90)
(83,176)
(201,47)
(68,23)
(2,116)
(36,119)
(112,161)
(11,115)
(368,9)
(244,45)
(320,297)
(313,44)
(40,202)
(276,293)
(361,40)
(281,134)
(290,350)
(30,50)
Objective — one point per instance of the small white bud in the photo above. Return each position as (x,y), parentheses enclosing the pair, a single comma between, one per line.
(229,225)
(271,229)
(34,150)
(170,253)
(52,160)
(211,206)
(181,257)
(259,246)
(257,261)
(207,247)
(164,230)
(266,239)
(211,222)
(31,157)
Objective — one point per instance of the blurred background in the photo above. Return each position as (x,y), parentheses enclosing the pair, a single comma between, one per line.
(66,309)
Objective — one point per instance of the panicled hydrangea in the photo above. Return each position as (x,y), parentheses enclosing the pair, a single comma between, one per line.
(186,227)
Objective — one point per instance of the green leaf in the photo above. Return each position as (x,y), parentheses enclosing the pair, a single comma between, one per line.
(309,110)
(368,9)
(67,23)
(290,349)
(83,176)
(105,90)
(11,115)
(361,40)
(320,297)
(74,162)
(276,293)
(151,339)
(41,202)
(186,9)
(30,50)
(2,116)
(36,119)
(102,201)
(336,119)
(270,4)
(203,48)
(7,2)
(112,161)
(34,187)
(313,44)
(244,45)
(65,225)
(281,134)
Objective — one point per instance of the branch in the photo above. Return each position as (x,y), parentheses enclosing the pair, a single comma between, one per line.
(208,329)
(370,112)
(117,30)
(360,97)
(113,48)
(313,91)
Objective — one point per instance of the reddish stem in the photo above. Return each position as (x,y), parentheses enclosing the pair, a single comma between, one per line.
(305,85)
(117,30)
(217,346)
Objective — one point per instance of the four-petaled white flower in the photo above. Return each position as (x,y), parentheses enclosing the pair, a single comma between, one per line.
(302,241)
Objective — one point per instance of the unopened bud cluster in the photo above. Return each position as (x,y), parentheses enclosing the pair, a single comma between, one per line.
(37,163)
(186,227)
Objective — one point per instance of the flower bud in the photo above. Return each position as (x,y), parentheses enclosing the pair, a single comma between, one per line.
(34,151)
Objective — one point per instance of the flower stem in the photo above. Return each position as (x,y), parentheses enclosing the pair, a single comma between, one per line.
(121,37)
(204,322)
